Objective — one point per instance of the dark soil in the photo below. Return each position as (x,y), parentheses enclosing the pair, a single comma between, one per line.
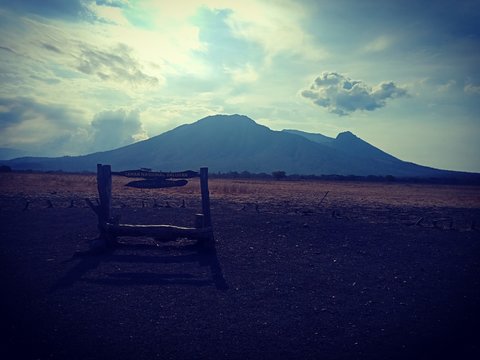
(313,283)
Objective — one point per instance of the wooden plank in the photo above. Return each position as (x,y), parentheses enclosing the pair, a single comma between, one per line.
(157,174)
(169,232)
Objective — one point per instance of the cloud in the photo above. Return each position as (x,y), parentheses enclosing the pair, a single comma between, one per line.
(113,129)
(10,112)
(41,128)
(447,86)
(246,74)
(71,9)
(220,46)
(113,3)
(6,48)
(14,111)
(380,43)
(341,95)
(277,26)
(472,89)
(51,47)
(49,129)
(118,65)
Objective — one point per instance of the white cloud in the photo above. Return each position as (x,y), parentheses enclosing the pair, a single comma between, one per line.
(472,89)
(380,43)
(341,95)
(276,26)
(447,86)
(109,13)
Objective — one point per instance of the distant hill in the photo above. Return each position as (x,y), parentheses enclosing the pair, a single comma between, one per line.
(8,153)
(227,143)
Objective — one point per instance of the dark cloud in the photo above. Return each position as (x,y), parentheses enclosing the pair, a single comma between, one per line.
(113,3)
(12,111)
(6,48)
(48,129)
(113,129)
(341,95)
(68,9)
(46,80)
(59,130)
(63,9)
(117,65)
(447,17)
(52,48)
(17,110)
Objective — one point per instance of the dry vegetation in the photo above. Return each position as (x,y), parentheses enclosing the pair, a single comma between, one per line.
(369,271)
(375,202)
(302,193)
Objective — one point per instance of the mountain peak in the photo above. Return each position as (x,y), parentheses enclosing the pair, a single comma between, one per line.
(224,118)
(346,135)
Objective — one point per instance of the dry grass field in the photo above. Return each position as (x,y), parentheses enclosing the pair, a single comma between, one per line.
(302,270)
(297,193)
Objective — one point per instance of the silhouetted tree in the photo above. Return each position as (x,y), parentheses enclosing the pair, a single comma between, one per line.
(278,175)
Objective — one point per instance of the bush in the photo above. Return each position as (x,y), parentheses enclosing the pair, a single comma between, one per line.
(278,175)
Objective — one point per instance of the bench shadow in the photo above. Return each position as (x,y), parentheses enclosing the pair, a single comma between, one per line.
(89,260)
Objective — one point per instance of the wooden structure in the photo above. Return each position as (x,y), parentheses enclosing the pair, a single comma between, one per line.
(110,228)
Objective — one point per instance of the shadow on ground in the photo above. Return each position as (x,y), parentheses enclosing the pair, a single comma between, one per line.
(88,261)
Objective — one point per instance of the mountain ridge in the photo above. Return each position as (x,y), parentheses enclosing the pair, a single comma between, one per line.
(228,143)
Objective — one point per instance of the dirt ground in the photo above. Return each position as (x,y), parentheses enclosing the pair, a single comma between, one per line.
(301,270)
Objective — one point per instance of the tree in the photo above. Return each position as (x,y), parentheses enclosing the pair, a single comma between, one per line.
(5,168)
(278,175)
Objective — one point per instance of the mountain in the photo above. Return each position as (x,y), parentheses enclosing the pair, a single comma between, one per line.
(318,138)
(237,143)
(350,144)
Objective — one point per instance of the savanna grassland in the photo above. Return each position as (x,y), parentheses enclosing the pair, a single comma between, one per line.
(302,270)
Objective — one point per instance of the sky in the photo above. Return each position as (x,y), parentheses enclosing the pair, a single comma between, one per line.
(80,76)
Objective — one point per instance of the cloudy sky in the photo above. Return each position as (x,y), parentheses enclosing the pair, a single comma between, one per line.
(78,76)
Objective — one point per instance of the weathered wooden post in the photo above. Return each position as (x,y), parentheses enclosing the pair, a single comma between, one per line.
(207,220)
(205,196)
(104,186)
